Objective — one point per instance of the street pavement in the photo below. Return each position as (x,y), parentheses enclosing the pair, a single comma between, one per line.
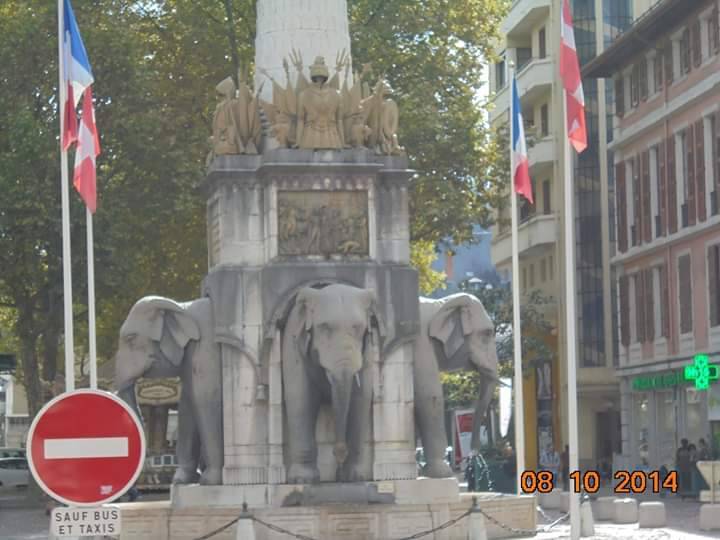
(18,522)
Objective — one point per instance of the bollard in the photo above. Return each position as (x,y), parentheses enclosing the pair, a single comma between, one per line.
(587,523)
(245,526)
(476,526)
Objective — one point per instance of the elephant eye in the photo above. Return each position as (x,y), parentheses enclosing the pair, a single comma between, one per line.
(130,338)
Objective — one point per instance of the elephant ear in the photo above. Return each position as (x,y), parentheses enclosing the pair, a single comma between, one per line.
(178,330)
(452,322)
(374,320)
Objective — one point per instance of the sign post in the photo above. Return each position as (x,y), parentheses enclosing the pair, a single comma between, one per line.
(86,448)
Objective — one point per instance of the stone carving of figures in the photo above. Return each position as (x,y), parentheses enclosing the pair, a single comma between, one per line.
(226,137)
(319,112)
(247,112)
(383,120)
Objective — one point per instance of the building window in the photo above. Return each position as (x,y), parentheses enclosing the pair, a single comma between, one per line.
(658,70)
(656,308)
(696,43)
(714,284)
(635,232)
(542,43)
(685,294)
(544,121)
(532,275)
(500,75)
(547,207)
(639,284)
(643,76)
(714,32)
(635,86)
(524,56)
(684,181)
(654,192)
(669,63)
(620,96)
(543,270)
(715,182)
(685,52)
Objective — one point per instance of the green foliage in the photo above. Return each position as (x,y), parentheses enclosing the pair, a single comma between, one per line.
(422,255)
(461,389)
(155,66)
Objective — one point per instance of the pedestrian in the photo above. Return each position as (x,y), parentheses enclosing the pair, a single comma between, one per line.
(565,464)
(694,472)
(684,469)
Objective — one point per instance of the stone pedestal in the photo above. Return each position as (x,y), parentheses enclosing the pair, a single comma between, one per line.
(290,219)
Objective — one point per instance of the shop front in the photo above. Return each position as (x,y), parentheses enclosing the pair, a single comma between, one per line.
(667,406)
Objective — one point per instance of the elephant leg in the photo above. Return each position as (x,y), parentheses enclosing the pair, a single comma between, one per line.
(210,427)
(187,449)
(359,464)
(302,405)
(430,412)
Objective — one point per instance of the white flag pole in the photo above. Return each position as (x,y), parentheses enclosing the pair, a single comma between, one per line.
(64,186)
(517,338)
(91,299)
(570,320)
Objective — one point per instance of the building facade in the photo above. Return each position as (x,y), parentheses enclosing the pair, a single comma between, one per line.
(665,153)
(532,43)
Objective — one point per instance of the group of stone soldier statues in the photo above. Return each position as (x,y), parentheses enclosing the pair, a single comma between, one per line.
(319,114)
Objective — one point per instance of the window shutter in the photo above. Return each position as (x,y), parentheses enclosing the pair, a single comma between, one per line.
(637,202)
(715,31)
(713,255)
(647,207)
(624,311)
(716,159)
(640,306)
(685,292)
(621,206)
(664,300)
(696,43)
(690,180)
(662,195)
(685,51)
(619,97)
(700,169)
(670,184)
(669,75)
(649,306)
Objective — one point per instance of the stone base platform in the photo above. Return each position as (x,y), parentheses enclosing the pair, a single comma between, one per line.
(343,521)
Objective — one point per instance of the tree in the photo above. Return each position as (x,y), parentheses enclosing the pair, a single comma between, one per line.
(155,66)
(461,389)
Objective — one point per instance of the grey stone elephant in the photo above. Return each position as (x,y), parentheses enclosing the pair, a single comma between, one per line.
(325,359)
(164,338)
(455,334)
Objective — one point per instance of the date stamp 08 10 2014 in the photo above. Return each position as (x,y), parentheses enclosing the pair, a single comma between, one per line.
(589,482)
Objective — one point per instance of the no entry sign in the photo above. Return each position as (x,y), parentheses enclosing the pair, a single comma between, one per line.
(86,447)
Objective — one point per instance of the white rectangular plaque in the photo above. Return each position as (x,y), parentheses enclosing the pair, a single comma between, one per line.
(91,521)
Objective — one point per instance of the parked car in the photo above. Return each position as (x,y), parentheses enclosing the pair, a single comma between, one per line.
(14,473)
(6,452)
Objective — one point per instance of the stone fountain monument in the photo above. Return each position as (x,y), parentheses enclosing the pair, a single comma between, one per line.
(298,363)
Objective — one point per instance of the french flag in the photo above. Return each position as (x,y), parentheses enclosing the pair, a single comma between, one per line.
(77,75)
(520,165)
(88,148)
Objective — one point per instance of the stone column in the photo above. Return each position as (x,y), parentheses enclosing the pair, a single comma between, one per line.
(313,27)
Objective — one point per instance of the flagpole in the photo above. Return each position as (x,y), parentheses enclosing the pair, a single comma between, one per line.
(65,197)
(91,299)
(517,338)
(570,320)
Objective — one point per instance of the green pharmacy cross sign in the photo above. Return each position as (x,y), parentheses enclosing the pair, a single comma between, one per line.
(702,372)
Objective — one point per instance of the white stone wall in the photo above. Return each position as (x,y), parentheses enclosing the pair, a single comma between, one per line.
(314,27)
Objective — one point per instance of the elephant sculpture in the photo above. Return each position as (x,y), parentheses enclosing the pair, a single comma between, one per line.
(164,338)
(326,359)
(455,334)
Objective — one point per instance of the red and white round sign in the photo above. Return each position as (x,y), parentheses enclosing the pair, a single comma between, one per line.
(86,447)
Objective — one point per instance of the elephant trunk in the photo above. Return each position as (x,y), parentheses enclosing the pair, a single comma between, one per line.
(341,389)
(487,387)
(127,394)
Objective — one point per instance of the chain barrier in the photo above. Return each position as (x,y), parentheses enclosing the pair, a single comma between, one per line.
(475,508)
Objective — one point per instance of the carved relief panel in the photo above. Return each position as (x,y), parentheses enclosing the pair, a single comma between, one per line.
(323,223)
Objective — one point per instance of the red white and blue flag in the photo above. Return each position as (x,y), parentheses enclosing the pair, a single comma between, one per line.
(88,148)
(76,76)
(570,74)
(520,165)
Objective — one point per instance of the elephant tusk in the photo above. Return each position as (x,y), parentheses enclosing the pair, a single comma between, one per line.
(357,379)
